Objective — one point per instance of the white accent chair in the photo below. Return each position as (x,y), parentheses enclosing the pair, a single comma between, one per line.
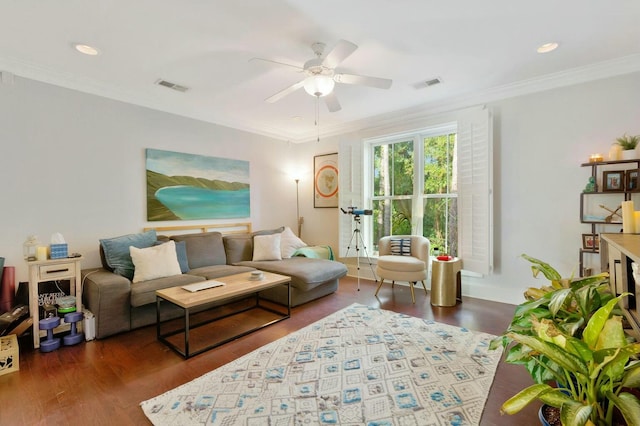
(412,268)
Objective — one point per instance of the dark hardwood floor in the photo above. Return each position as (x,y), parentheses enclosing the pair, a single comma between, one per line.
(104,381)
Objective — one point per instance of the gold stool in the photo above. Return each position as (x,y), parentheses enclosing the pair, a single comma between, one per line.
(446,282)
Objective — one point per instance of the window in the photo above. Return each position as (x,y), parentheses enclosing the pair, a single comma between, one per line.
(413,187)
(436,182)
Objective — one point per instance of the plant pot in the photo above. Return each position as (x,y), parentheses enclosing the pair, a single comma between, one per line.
(629,154)
(549,416)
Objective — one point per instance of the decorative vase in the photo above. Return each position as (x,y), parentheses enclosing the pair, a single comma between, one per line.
(629,154)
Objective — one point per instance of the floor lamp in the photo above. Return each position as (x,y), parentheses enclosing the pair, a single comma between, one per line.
(298,209)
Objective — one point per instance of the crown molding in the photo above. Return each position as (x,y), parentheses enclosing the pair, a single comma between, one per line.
(415,115)
(597,71)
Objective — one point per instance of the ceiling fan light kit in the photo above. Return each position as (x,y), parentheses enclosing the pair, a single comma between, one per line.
(319,85)
(322,76)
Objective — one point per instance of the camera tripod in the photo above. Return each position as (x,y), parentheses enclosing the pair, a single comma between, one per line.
(357,236)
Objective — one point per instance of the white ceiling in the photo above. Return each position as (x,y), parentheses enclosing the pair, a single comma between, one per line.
(478,49)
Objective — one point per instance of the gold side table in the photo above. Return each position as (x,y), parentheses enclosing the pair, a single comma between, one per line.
(446,282)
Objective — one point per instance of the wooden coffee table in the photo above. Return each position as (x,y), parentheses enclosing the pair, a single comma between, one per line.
(235,287)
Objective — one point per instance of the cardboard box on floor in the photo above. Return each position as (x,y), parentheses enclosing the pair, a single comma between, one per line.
(9,354)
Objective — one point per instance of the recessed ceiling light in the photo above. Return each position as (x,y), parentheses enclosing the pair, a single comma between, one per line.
(86,49)
(547,47)
(297,118)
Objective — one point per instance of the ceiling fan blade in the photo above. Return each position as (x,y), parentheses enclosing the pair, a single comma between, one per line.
(281,94)
(380,83)
(339,53)
(300,69)
(332,102)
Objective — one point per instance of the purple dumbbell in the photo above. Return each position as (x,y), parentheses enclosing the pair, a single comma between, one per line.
(73,338)
(51,343)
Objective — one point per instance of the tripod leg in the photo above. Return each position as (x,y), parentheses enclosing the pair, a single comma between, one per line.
(379,285)
(364,248)
(358,263)
(353,236)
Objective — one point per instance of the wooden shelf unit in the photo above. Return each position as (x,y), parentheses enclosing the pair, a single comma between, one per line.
(598,226)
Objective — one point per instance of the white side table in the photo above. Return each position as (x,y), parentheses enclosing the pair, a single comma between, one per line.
(53,270)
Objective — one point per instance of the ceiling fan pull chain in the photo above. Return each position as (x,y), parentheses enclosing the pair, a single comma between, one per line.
(318,117)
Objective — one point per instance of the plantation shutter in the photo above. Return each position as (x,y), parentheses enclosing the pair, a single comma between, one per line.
(475,190)
(350,160)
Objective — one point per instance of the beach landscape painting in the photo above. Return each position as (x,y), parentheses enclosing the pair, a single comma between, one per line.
(188,186)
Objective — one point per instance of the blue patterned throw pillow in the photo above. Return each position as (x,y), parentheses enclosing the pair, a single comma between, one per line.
(116,250)
(401,246)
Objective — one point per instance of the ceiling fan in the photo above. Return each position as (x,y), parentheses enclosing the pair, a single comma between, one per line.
(321,75)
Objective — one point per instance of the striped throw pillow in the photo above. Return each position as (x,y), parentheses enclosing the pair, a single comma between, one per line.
(401,246)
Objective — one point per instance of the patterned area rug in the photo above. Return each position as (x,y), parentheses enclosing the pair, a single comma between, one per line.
(358,366)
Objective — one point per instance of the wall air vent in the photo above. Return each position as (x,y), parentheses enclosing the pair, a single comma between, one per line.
(171,85)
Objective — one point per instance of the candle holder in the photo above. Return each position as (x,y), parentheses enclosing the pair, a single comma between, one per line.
(595,158)
(30,248)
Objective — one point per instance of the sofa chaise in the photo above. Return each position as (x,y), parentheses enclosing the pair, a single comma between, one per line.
(121,294)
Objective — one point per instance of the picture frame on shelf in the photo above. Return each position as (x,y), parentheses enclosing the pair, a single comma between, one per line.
(632,180)
(591,242)
(613,181)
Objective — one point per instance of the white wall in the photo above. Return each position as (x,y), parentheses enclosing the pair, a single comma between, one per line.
(74,163)
(540,142)
(320,224)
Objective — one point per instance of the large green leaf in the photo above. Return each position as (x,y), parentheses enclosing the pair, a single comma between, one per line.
(612,361)
(628,405)
(612,334)
(524,321)
(632,378)
(562,357)
(579,348)
(540,266)
(632,349)
(612,366)
(558,299)
(523,398)
(523,309)
(590,280)
(571,326)
(574,413)
(597,321)
(556,398)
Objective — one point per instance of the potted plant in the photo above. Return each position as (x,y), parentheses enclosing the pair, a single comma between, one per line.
(570,335)
(628,145)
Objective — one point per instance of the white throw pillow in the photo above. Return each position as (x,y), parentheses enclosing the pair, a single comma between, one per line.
(289,243)
(266,247)
(155,262)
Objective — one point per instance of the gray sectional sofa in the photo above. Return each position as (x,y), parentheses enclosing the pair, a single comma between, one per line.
(120,304)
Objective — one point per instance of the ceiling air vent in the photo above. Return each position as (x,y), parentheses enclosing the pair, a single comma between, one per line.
(427,83)
(432,82)
(171,85)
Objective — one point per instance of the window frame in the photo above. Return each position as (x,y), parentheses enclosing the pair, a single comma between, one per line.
(475,180)
(418,198)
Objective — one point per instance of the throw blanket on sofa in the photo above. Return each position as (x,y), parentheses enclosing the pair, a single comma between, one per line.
(315,252)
